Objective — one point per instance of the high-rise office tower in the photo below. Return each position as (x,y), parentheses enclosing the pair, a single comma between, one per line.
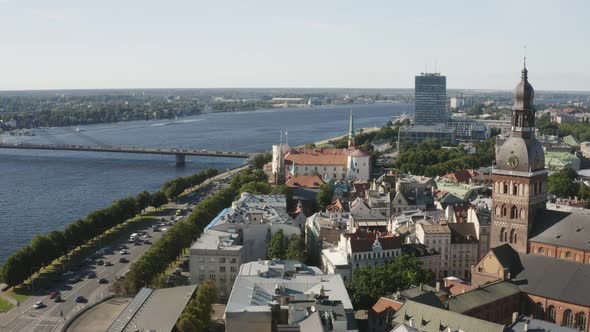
(431,99)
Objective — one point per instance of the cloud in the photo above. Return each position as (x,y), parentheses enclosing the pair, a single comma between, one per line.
(51,15)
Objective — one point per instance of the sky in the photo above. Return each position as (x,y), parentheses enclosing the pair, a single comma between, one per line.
(85,44)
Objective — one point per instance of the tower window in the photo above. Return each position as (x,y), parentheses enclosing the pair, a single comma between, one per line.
(515,189)
(504,211)
(513,236)
(503,234)
(513,212)
(505,191)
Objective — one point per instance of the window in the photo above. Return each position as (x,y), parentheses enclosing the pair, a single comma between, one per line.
(568,318)
(233,260)
(232,269)
(568,254)
(212,276)
(551,314)
(201,260)
(513,212)
(211,259)
(513,236)
(515,189)
(222,269)
(541,250)
(581,323)
(505,191)
(539,313)
(221,259)
(504,211)
(503,234)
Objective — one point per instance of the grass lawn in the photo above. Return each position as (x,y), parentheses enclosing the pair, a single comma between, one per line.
(18,295)
(5,305)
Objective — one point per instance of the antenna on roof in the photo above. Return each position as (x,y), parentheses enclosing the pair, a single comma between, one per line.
(524,52)
(435,67)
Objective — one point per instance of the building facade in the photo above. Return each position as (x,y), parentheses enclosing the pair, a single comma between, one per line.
(430,99)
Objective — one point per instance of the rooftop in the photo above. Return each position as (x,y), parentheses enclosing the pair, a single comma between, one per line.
(563,229)
(431,319)
(277,268)
(480,296)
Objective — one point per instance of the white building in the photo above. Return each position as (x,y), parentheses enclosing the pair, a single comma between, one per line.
(291,295)
(352,163)
(239,234)
(437,237)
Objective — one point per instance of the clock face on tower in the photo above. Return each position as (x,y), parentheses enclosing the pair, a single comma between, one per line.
(512,161)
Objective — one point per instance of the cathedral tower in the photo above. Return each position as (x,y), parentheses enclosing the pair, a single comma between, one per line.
(520,178)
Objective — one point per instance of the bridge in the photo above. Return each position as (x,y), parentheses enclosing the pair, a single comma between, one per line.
(179,153)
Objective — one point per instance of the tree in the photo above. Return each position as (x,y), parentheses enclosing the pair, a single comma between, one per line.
(562,184)
(370,282)
(158,199)
(296,248)
(324,196)
(196,316)
(256,188)
(143,199)
(259,160)
(276,247)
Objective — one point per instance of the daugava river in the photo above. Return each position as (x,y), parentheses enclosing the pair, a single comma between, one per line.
(41,191)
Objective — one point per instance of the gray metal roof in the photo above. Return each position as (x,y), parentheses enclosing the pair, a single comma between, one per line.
(562,229)
(480,296)
(537,325)
(430,319)
(555,278)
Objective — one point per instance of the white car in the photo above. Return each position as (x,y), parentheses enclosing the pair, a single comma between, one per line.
(124,252)
(38,305)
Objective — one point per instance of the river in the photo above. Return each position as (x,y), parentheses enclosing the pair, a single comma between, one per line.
(42,191)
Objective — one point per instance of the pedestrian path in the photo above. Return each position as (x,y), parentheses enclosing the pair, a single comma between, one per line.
(8,298)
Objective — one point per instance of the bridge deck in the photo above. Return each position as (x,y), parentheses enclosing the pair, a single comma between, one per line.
(138,150)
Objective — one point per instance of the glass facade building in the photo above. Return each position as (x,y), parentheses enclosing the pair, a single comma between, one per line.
(431,99)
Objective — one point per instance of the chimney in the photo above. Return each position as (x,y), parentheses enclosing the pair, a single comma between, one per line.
(514,317)
(438,286)
(412,323)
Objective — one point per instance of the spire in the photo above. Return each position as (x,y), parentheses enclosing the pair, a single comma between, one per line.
(524,70)
(351,140)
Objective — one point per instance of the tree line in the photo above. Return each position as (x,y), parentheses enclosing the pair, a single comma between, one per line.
(175,187)
(563,184)
(180,236)
(43,249)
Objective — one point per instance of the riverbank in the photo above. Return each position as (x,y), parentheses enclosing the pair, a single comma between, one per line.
(359,131)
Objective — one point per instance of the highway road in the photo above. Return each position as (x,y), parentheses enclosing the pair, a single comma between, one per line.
(53,316)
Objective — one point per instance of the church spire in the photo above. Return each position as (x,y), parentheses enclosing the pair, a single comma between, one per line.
(351,139)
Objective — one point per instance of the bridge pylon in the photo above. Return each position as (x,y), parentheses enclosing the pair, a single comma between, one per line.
(180,160)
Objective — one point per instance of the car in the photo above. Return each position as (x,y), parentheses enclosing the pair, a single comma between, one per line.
(77,279)
(53,295)
(156,229)
(147,242)
(80,299)
(137,243)
(68,274)
(124,252)
(57,299)
(91,275)
(108,263)
(103,281)
(123,260)
(100,263)
(38,305)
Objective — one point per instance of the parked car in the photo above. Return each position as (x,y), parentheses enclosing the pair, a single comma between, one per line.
(53,295)
(103,281)
(38,305)
(124,252)
(80,299)
(57,299)
(100,263)
(108,263)
(147,242)
(123,260)
(91,275)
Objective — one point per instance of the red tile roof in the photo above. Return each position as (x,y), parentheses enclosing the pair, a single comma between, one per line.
(460,176)
(302,156)
(308,181)
(362,241)
(384,303)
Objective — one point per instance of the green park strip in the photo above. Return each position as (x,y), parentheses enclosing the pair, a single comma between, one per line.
(5,306)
